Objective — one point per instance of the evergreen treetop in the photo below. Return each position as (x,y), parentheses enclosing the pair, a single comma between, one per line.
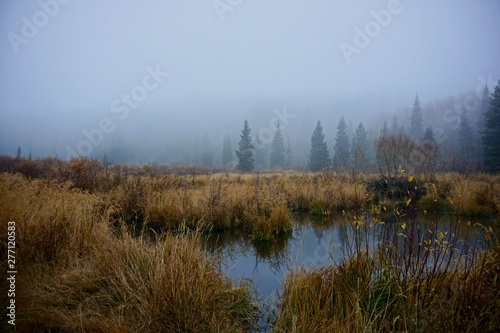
(227,151)
(245,151)
(319,157)
(341,157)
(360,149)
(416,121)
(491,134)
(278,158)
(466,139)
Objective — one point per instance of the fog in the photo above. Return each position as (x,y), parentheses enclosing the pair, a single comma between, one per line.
(159,81)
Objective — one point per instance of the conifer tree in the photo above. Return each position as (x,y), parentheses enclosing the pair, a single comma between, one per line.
(278,158)
(289,157)
(18,153)
(245,151)
(260,153)
(485,101)
(416,122)
(360,149)
(341,157)
(491,136)
(429,150)
(206,152)
(227,151)
(385,129)
(466,142)
(319,157)
(395,126)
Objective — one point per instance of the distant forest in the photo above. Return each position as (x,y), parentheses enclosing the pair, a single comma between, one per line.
(458,133)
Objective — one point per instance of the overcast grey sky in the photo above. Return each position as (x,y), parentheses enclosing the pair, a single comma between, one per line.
(64,63)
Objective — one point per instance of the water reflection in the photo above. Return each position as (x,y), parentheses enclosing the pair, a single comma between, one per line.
(320,242)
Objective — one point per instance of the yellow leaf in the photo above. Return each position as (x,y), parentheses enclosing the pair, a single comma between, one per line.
(403,226)
(425,212)
(408,202)
(410,178)
(384,207)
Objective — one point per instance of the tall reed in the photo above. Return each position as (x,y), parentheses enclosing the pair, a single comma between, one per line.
(408,276)
(79,273)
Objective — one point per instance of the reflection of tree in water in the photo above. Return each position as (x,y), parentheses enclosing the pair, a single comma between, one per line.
(233,244)
(319,225)
(318,232)
(353,234)
(429,242)
(275,253)
(388,232)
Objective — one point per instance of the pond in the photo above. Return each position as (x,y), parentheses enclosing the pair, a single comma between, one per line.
(315,243)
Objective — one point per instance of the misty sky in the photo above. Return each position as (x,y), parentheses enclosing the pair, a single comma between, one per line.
(227,61)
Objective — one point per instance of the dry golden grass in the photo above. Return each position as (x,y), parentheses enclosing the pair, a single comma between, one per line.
(78,273)
(469,194)
(258,203)
(125,285)
(82,271)
(365,293)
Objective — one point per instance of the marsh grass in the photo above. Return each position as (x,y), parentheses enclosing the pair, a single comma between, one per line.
(126,285)
(78,273)
(83,271)
(413,278)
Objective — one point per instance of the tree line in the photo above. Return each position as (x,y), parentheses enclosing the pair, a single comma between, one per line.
(396,149)
(459,139)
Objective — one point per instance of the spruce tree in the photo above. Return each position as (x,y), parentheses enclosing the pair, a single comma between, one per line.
(341,157)
(416,122)
(360,149)
(491,136)
(466,142)
(206,152)
(245,151)
(18,153)
(485,101)
(385,129)
(260,153)
(227,151)
(278,158)
(395,126)
(319,157)
(289,158)
(429,135)
(429,149)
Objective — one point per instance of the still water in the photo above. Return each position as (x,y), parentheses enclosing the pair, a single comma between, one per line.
(316,243)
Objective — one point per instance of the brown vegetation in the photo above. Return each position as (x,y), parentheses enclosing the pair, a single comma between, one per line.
(83,271)
(78,273)
(415,281)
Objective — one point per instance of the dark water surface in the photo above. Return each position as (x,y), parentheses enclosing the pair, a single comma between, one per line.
(318,243)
